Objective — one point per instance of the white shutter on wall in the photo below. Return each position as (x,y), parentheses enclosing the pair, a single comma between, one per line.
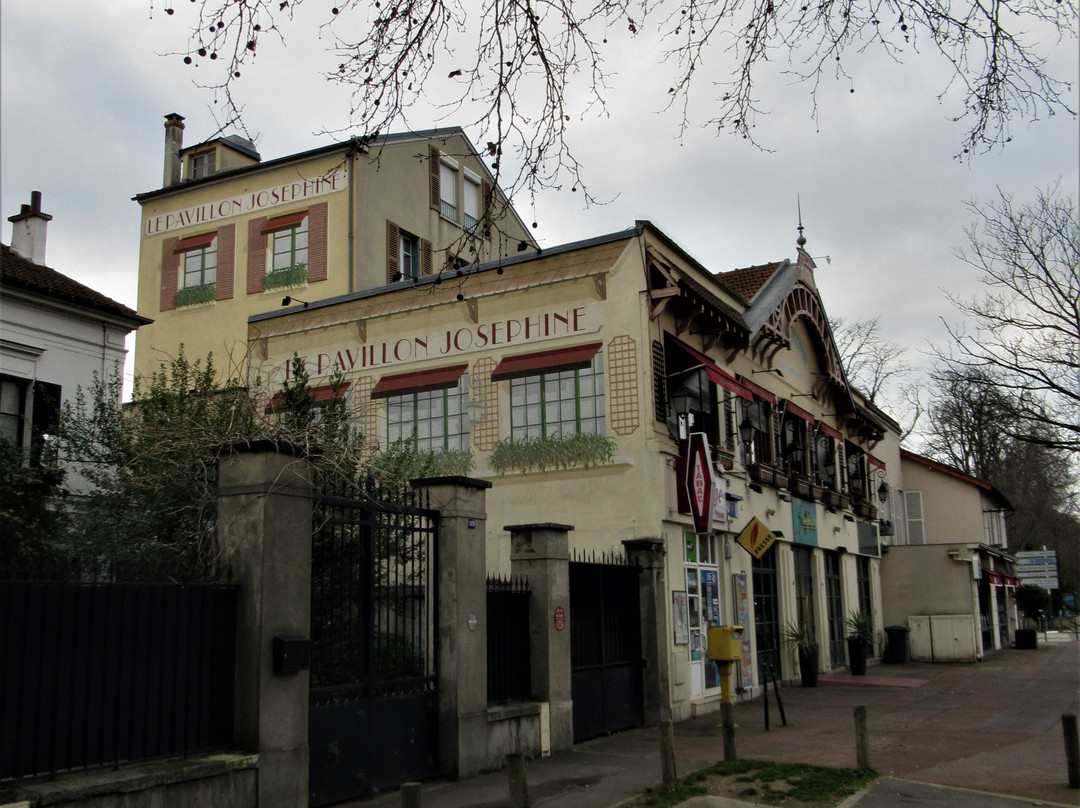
(915,524)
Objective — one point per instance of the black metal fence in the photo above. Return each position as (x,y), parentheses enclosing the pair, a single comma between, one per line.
(102,673)
(508,655)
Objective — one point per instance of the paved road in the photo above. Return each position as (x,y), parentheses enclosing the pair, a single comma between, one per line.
(974,735)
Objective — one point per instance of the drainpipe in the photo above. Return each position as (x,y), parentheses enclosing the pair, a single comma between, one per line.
(352,206)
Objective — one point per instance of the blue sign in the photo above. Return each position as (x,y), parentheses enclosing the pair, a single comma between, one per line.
(804,521)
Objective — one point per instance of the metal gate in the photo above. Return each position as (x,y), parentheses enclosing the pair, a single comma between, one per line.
(373,719)
(605,648)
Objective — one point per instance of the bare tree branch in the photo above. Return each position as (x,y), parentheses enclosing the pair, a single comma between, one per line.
(525,68)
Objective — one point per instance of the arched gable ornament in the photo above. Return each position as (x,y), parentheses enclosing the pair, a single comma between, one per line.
(800,303)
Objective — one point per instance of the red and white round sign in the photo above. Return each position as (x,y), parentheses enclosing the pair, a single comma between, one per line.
(560,619)
(474,621)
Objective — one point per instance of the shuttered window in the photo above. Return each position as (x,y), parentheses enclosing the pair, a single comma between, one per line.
(916,525)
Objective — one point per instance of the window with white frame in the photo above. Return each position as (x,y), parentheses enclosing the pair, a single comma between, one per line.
(431,420)
(203,165)
(472,202)
(448,172)
(559,404)
(409,255)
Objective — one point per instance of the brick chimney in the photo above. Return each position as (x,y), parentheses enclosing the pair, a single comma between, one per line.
(28,230)
(174,141)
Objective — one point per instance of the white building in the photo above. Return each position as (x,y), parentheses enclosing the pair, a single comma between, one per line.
(55,334)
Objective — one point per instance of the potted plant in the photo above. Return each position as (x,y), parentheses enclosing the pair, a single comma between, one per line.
(860,639)
(800,636)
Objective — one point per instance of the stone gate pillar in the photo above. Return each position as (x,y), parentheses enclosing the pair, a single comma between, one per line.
(462,622)
(264,536)
(648,555)
(541,552)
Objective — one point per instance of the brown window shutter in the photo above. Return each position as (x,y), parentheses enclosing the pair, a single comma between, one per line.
(317,217)
(169,274)
(487,191)
(392,251)
(226,262)
(425,257)
(433,169)
(256,262)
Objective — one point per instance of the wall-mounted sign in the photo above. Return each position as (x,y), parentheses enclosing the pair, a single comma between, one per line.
(560,618)
(699,482)
(756,538)
(804,521)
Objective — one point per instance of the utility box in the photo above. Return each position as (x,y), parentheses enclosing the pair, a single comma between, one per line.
(724,643)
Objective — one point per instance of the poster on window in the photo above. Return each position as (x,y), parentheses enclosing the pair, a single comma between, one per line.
(682,630)
(742,618)
(710,593)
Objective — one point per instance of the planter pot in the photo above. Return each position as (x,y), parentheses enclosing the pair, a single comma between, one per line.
(800,487)
(761,474)
(865,509)
(808,666)
(781,479)
(815,492)
(726,459)
(857,654)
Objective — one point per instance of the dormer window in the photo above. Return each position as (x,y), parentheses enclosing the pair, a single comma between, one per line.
(203,165)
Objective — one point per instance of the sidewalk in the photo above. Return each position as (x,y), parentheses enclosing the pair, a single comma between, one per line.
(991,727)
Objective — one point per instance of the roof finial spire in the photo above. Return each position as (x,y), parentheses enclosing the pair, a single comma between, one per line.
(801,240)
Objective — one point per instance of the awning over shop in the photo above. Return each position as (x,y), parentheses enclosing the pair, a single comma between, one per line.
(713,372)
(757,390)
(531,364)
(194,242)
(418,381)
(828,430)
(286,222)
(322,394)
(873,461)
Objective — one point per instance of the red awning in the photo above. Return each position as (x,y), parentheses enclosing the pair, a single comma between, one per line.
(758,391)
(322,394)
(418,381)
(799,412)
(713,372)
(1011,580)
(994,577)
(286,222)
(828,430)
(194,242)
(873,461)
(531,364)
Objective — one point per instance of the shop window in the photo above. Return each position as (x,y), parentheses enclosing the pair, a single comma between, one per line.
(431,420)
(559,403)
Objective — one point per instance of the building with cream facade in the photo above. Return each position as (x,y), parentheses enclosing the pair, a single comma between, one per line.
(575,375)
(229,236)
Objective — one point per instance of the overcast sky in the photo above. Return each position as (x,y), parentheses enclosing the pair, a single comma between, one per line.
(85,89)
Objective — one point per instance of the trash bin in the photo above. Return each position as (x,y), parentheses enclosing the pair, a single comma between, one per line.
(898,648)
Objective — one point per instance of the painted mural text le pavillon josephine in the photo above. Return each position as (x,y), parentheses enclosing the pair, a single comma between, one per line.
(453,341)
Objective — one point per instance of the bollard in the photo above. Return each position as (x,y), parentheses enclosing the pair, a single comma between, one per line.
(412,795)
(519,786)
(667,754)
(1072,748)
(727,719)
(862,740)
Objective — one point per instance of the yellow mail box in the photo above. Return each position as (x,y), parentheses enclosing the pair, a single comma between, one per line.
(724,643)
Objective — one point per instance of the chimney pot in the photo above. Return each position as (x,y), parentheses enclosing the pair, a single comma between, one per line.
(174,142)
(28,229)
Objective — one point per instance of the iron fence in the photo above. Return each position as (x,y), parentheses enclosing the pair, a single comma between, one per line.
(508,654)
(96,673)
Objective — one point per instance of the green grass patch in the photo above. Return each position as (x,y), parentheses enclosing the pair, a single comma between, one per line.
(772,782)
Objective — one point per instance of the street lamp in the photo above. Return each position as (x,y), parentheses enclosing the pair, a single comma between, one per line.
(746,434)
(680,403)
(883,489)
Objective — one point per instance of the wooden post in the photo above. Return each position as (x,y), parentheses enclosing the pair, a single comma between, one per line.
(727,721)
(1072,748)
(412,795)
(862,740)
(667,754)
(519,785)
